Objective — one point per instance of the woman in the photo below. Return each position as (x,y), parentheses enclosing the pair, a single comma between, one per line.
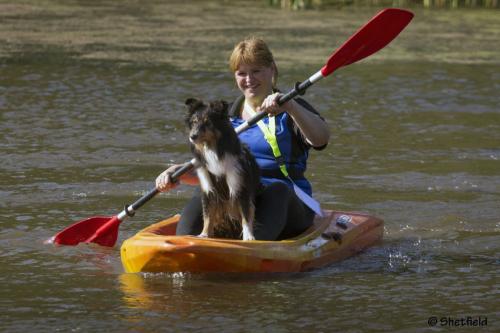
(279,213)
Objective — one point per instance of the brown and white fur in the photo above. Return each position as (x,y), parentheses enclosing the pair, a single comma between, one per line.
(228,173)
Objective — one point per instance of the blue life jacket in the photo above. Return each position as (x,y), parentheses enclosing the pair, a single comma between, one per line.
(292,144)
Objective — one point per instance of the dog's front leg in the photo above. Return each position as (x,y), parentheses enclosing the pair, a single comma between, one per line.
(207,228)
(208,221)
(247,230)
(247,217)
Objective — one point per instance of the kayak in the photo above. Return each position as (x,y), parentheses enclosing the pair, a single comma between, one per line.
(333,237)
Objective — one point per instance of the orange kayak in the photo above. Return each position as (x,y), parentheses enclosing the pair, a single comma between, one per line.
(334,237)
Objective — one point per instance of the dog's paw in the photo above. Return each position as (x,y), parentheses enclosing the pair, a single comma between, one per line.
(202,235)
(247,232)
(248,237)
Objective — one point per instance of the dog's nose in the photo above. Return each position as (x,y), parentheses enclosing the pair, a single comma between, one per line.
(193,137)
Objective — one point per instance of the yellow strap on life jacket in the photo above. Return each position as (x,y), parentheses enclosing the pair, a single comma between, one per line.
(269,132)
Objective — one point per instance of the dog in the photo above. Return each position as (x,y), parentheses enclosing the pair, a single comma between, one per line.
(228,173)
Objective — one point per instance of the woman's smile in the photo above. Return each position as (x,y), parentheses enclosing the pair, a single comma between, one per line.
(254,81)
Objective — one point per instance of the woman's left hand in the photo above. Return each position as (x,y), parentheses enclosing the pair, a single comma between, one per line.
(270,105)
(310,124)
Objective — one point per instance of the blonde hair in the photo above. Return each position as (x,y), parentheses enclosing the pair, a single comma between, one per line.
(253,51)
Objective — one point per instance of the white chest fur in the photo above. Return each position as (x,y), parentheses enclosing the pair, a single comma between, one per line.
(228,167)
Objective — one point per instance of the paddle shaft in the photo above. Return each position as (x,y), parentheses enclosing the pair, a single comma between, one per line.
(299,89)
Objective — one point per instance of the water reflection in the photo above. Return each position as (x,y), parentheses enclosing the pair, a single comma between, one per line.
(215,301)
(135,294)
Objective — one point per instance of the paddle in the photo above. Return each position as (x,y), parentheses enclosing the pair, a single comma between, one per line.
(373,36)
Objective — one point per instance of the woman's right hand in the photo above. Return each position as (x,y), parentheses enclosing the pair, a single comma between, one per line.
(164,182)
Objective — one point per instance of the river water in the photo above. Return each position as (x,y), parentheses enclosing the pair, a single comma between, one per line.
(86,129)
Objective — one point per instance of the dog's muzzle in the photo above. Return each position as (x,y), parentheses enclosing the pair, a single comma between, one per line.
(193,137)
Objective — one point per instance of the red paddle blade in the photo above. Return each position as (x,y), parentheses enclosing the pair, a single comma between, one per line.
(373,36)
(102,230)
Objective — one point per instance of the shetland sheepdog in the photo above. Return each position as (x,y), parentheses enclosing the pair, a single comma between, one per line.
(228,173)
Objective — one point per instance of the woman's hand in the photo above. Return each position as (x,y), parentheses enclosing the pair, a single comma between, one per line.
(270,105)
(164,180)
(311,125)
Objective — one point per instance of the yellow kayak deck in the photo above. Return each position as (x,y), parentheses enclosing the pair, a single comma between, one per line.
(334,237)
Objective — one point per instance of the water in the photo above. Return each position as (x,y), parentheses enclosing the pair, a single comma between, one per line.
(86,129)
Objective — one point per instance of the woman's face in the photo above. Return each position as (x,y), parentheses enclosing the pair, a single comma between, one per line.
(254,81)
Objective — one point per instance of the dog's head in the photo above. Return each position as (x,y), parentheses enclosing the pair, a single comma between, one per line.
(207,122)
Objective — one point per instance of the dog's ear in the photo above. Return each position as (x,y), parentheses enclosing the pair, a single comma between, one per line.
(221,108)
(193,103)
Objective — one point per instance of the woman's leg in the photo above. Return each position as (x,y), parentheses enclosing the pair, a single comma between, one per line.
(280,213)
(300,217)
(191,221)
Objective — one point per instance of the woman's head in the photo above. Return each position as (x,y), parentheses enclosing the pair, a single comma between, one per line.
(251,60)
